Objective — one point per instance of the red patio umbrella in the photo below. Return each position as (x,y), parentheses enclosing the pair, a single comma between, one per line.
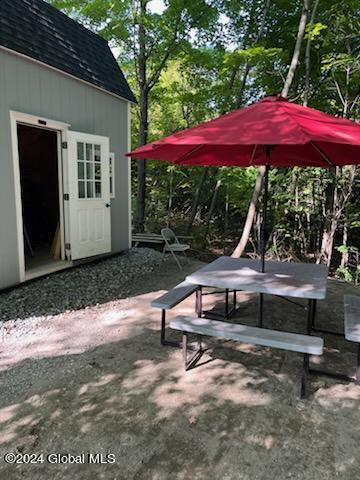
(271,132)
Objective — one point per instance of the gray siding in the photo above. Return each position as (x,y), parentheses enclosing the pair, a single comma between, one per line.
(28,87)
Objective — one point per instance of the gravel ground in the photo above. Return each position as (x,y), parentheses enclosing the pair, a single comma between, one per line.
(97,380)
(81,287)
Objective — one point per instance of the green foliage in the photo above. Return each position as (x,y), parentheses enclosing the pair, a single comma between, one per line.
(314,30)
(346,274)
(197,52)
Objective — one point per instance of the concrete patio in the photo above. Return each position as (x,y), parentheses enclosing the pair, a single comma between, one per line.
(96,380)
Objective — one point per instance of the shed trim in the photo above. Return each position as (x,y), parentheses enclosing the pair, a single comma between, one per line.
(129,172)
(16,117)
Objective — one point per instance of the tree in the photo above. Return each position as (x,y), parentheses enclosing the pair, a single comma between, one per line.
(260,179)
(252,49)
(148,41)
(296,54)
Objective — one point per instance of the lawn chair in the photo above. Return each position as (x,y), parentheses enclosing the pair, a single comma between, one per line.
(173,245)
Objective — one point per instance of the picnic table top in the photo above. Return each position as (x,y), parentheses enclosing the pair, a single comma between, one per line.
(301,280)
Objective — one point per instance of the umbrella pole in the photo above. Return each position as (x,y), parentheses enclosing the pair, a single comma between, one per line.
(264,219)
(263,232)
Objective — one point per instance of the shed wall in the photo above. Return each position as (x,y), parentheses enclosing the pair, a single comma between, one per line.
(31,88)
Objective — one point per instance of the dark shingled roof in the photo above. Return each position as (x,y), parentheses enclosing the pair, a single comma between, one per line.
(40,31)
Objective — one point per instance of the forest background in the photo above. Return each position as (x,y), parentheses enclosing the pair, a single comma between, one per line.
(188,61)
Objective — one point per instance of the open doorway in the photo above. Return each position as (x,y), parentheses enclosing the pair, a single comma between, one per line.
(39,180)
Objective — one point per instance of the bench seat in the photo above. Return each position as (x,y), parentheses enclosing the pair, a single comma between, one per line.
(147,238)
(305,344)
(257,336)
(352,317)
(176,295)
(169,300)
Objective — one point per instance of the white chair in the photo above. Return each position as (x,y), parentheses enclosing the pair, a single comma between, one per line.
(173,245)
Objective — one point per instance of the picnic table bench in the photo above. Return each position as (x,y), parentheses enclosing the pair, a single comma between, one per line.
(351,334)
(305,344)
(352,326)
(147,238)
(169,300)
(152,238)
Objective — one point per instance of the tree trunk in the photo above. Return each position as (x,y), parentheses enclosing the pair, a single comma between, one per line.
(247,66)
(337,201)
(143,129)
(196,200)
(345,254)
(170,199)
(307,56)
(211,209)
(226,219)
(259,181)
(341,195)
(229,88)
(240,95)
(141,164)
(327,244)
(289,79)
(296,54)
(239,250)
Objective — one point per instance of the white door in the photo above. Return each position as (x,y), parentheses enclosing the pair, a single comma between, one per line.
(89,194)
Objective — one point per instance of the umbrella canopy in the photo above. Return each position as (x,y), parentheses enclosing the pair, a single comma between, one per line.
(271,132)
(297,136)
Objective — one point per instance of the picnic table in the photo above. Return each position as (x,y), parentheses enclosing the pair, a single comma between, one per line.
(287,279)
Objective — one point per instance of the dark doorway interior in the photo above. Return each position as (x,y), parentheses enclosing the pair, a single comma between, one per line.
(38,161)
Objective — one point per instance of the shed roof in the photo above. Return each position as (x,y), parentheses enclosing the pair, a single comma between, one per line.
(38,30)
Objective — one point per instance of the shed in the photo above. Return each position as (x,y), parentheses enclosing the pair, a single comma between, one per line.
(65,125)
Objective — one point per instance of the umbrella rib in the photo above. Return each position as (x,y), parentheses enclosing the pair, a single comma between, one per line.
(323,155)
(190,152)
(253,155)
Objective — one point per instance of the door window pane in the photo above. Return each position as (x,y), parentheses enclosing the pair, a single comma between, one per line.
(98,189)
(97,171)
(81,171)
(89,189)
(80,151)
(97,153)
(89,170)
(81,189)
(89,157)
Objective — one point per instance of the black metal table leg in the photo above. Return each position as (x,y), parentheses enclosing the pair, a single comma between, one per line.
(173,343)
(226,303)
(305,375)
(313,314)
(228,309)
(163,341)
(260,313)
(197,355)
(310,311)
(325,373)
(184,348)
(198,307)
(162,333)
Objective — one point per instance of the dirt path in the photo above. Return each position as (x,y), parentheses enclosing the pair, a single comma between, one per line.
(96,381)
